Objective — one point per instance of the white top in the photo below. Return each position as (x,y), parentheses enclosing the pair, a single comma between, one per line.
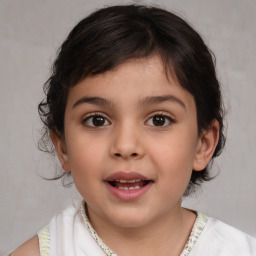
(220,239)
(70,234)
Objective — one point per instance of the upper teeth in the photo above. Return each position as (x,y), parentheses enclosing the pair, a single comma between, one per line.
(127,181)
(129,188)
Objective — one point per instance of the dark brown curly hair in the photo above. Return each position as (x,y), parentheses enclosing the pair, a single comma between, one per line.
(113,35)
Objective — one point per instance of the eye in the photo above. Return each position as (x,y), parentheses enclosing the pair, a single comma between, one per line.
(160,120)
(96,121)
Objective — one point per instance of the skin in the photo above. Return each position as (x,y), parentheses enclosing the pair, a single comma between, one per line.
(129,140)
(29,248)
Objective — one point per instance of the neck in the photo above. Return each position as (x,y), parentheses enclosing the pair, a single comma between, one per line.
(164,236)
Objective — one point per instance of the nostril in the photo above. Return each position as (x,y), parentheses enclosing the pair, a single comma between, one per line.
(132,155)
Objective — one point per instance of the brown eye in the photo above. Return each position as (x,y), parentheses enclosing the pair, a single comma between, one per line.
(96,121)
(159,120)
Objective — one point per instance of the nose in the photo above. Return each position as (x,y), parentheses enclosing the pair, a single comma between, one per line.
(127,143)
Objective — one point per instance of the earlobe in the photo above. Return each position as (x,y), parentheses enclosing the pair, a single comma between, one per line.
(206,145)
(61,150)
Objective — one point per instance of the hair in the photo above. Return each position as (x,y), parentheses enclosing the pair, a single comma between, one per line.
(112,35)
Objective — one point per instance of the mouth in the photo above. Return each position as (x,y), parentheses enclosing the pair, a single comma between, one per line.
(128,185)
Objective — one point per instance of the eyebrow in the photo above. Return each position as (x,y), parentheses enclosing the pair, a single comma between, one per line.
(144,102)
(93,100)
(160,99)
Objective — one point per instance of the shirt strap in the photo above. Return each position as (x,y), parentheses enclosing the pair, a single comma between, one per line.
(44,241)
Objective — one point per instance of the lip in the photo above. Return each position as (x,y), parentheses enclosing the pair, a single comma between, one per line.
(127,195)
(126,176)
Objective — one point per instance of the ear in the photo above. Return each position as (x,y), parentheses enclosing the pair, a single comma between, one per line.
(61,150)
(206,145)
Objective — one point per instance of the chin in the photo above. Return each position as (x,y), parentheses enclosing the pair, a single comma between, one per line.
(129,219)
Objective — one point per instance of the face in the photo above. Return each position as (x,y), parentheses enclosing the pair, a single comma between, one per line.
(131,142)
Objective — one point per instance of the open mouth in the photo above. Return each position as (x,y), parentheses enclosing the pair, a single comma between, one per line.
(128,184)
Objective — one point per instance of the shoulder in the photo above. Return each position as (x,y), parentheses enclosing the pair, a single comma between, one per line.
(229,233)
(29,248)
(226,238)
(60,225)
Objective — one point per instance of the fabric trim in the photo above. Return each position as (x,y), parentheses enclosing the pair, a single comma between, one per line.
(93,233)
(44,241)
(197,229)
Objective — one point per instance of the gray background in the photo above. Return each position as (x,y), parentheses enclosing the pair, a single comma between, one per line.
(30,33)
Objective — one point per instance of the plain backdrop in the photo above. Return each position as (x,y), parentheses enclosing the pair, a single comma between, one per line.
(31,32)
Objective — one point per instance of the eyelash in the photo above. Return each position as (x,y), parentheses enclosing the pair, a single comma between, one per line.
(90,117)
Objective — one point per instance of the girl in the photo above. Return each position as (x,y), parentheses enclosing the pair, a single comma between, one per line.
(134,110)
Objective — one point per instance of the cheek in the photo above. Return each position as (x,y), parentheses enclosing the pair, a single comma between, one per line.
(86,157)
(174,170)
(177,152)
(87,164)
(173,157)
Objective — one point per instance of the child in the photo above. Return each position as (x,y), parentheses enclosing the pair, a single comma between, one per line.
(134,110)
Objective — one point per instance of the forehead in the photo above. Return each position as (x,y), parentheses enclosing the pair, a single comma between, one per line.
(133,80)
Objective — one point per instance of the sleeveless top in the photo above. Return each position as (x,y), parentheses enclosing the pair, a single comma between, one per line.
(79,238)
(71,234)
